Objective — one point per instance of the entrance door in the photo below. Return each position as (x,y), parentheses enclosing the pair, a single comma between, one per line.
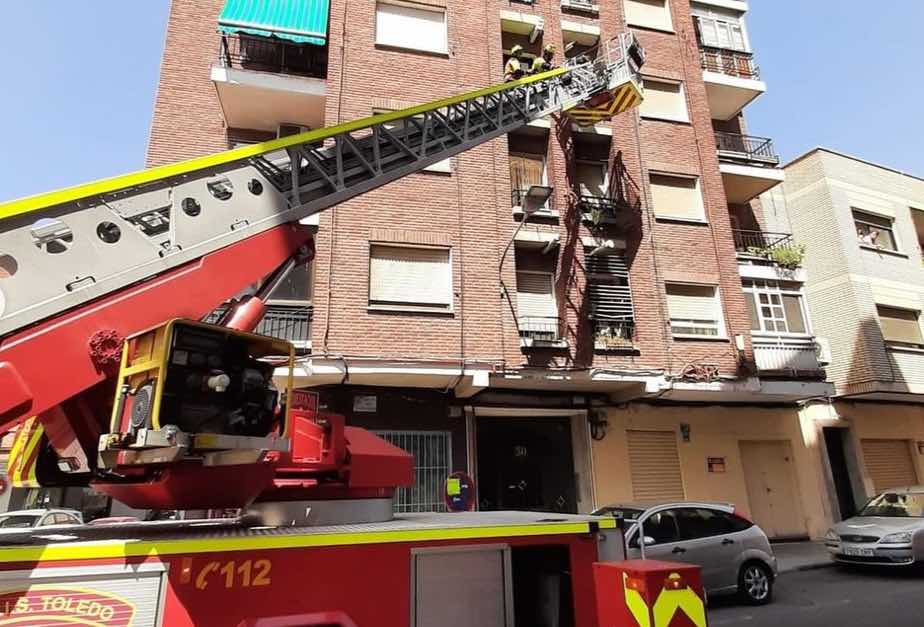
(771,485)
(526,464)
(837,458)
(889,464)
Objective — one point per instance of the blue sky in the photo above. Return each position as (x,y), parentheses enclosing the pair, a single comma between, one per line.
(79,81)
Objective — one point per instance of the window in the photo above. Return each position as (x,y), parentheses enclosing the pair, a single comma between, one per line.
(705,523)
(410,277)
(411,26)
(664,100)
(717,33)
(591,178)
(873,230)
(694,310)
(900,326)
(610,300)
(676,197)
(537,311)
(649,14)
(662,527)
(432,452)
(775,306)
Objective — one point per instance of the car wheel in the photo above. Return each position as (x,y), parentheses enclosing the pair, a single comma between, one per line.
(755,584)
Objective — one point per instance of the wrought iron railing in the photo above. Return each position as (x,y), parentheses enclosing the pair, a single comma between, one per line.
(539,328)
(268,54)
(604,207)
(518,199)
(747,147)
(614,334)
(286,322)
(748,241)
(730,62)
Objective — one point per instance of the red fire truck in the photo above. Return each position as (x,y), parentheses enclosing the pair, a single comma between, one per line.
(113,382)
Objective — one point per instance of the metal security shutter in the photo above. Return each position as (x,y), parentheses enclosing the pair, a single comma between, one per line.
(889,463)
(654,464)
(401,275)
(432,451)
(608,287)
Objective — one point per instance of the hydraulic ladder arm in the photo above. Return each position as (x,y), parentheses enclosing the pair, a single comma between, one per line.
(85,267)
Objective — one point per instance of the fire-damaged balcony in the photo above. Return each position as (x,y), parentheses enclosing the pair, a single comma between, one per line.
(271,68)
(609,301)
(749,166)
(732,80)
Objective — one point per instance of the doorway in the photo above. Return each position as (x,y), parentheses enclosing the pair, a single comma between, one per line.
(771,485)
(526,464)
(840,472)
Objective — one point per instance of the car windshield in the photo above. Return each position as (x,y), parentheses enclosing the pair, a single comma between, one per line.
(620,513)
(18,521)
(891,505)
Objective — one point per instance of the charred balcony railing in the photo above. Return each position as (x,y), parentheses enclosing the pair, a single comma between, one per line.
(269,54)
(729,62)
(614,334)
(745,148)
(750,241)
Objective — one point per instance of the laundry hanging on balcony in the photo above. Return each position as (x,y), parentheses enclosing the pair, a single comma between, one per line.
(301,21)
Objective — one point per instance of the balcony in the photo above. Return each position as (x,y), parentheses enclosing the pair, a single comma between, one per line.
(540,332)
(286,322)
(786,356)
(748,165)
(732,80)
(750,242)
(263,82)
(614,335)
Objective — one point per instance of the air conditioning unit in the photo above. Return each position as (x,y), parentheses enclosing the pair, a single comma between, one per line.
(823,350)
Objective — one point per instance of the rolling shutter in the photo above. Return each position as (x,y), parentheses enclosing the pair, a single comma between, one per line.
(676,197)
(663,100)
(406,275)
(535,295)
(608,289)
(525,171)
(649,13)
(654,464)
(889,464)
(692,302)
(412,26)
(899,325)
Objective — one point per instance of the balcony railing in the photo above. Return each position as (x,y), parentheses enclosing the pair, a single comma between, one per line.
(614,334)
(746,148)
(729,62)
(539,329)
(286,322)
(786,355)
(748,241)
(268,54)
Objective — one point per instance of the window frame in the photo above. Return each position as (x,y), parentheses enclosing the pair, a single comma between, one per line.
(773,287)
(668,11)
(699,193)
(551,277)
(417,7)
(898,343)
(721,331)
(410,307)
(858,221)
(604,167)
(662,117)
(731,22)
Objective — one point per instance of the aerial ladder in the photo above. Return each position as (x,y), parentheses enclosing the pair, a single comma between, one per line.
(91,275)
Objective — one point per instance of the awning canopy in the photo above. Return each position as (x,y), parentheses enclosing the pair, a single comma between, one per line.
(301,21)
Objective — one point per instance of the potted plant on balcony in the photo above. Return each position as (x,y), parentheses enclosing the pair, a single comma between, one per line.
(788,256)
(610,336)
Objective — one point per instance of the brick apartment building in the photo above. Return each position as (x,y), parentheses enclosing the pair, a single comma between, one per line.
(863,227)
(607,349)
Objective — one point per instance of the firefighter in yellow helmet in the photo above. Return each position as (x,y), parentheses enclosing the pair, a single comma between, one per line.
(513,70)
(544,63)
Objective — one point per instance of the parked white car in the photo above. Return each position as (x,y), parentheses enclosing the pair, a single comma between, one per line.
(31,518)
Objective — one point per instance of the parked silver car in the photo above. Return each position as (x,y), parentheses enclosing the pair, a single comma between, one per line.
(889,531)
(734,553)
(29,518)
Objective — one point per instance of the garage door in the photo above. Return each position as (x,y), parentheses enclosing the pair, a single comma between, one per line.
(654,465)
(889,463)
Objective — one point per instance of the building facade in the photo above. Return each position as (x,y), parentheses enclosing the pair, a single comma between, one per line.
(863,228)
(604,348)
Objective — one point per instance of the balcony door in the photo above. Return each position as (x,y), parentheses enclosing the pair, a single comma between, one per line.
(591,178)
(526,170)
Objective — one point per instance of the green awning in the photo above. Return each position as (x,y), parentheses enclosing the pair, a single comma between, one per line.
(301,21)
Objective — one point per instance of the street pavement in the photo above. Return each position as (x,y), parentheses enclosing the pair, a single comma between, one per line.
(832,596)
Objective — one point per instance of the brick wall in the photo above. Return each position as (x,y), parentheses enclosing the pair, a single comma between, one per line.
(470,209)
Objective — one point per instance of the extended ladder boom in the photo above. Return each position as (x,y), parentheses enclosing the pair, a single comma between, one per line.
(74,252)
